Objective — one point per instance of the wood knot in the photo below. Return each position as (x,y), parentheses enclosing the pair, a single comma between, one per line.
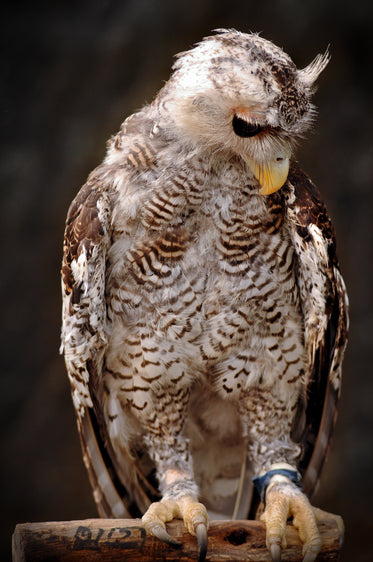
(237,537)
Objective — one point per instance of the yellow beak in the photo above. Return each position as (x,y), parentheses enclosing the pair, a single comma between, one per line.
(272,174)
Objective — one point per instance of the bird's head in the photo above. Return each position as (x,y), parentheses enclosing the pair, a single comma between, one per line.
(239,92)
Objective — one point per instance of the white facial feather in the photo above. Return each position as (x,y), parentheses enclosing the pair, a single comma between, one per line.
(222,76)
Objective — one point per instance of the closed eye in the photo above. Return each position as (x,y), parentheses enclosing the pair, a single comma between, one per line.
(244,129)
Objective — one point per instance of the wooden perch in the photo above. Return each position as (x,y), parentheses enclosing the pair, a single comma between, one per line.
(125,539)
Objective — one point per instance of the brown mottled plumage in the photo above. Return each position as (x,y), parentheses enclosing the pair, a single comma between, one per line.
(205,316)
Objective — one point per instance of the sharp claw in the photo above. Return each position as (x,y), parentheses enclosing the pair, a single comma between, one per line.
(310,556)
(275,550)
(201,533)
(161,534)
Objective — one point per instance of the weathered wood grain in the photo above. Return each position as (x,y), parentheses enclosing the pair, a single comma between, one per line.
(125,539)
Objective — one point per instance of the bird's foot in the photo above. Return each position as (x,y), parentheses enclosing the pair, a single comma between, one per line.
(284,500)
(192,512)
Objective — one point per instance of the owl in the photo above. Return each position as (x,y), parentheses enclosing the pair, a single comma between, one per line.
(204,312)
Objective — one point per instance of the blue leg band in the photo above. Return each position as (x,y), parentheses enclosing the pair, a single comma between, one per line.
(261,482)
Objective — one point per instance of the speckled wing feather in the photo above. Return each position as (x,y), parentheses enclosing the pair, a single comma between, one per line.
(87,239)
(325,308)
(83,286)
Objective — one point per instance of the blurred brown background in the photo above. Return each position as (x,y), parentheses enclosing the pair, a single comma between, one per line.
(70,73)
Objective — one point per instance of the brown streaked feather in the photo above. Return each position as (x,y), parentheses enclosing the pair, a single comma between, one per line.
(113,499)
(87,235)
(83,226)
(108,501)
(129,480)
(336,341)
(318,408)
(86,240)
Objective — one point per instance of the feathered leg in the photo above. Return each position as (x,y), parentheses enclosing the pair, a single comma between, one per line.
(169,449)
(274,458)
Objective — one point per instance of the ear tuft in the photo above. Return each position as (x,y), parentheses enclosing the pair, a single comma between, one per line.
(310,73)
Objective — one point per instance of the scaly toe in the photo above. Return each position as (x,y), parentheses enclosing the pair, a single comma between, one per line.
(275,517)
(193,513)
(320,515)
(305,521)
(196,521)
(155,518)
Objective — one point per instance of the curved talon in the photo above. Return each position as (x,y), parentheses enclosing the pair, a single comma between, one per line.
(310,556)
(161,534)
(201,534)
(192,512)
(275,550)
